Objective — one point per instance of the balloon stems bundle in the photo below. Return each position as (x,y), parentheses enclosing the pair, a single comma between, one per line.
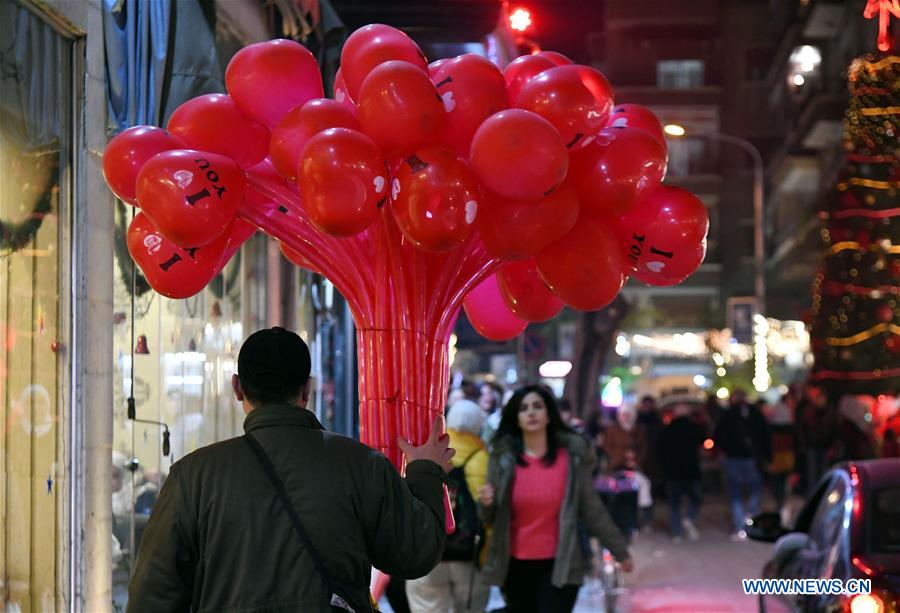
(417,190)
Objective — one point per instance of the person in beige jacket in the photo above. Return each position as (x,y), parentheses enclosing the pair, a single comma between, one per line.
(457,585)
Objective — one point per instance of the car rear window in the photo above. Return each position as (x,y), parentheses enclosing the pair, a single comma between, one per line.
(885,533)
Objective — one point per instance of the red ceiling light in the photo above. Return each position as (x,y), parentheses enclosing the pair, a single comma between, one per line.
(520,20)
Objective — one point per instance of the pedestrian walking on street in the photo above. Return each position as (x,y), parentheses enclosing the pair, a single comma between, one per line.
(456,583)
(538,491)
(783,448)
(679,453)
(817,432)
(743,436)
(288,517)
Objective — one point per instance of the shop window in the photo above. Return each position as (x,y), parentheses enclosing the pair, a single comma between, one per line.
(36,77)
(680,74)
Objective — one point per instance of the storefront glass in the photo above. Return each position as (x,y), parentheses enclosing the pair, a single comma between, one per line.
(36,75)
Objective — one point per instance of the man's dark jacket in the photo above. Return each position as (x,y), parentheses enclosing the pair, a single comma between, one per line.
(679,449)
(742,424)
(219,538)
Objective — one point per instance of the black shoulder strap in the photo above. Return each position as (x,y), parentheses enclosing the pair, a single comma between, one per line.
(469,457)
(263,458)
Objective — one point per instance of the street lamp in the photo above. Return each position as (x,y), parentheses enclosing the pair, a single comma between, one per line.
(759,259)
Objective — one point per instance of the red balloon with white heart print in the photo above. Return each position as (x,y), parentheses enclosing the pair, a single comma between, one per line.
(664,236)
(343,181)
(437,199)
(525,293)
(637,116)
(615,170)
(190,196)
(472,89)
(568,97)
(171,270)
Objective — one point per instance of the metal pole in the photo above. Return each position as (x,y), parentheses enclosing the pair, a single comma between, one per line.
(759,253)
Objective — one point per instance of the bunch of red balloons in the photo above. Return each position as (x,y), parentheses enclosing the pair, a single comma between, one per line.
(533,161)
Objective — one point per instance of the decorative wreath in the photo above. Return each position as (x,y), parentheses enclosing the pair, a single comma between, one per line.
(16,235)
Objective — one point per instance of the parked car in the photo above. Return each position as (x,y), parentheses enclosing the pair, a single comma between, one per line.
(848,529)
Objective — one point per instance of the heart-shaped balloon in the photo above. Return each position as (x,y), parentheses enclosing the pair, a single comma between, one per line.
(190,196)
(664,236)
(170,270)
(214,123)
(268,79)
(437,201)
(293,132)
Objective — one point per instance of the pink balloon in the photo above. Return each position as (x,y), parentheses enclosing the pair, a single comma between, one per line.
(268,79)
(488,313)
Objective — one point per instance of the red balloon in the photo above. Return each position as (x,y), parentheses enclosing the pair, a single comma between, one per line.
(636,116)
(560,96)
(514,230)
(585,269)
(400,109)
(343,181)
(557,58)
(518,72)
(214,123)
(190,196)
(293,132)
(665,235)
(171,270)
(437,200)
(525,293)
(436,65)
(268,79)
(127,152)
(489,315)
(519,155)
(615,170)
(371,46)
(296,258)
(472,89)
(340,91)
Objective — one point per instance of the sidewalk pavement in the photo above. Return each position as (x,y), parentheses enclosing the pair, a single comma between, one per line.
(702,576)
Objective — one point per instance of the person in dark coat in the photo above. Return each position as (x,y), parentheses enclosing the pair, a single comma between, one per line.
(743,436)
(220,538)
(679,454)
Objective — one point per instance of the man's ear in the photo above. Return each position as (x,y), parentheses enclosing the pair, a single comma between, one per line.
(304,393)
(236,387)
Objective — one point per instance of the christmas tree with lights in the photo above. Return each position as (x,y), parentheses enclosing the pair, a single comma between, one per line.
(856,294)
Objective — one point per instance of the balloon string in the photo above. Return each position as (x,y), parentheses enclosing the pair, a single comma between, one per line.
(332,257)
(307,241)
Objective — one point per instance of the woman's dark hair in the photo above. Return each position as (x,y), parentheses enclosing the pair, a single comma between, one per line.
(509,423)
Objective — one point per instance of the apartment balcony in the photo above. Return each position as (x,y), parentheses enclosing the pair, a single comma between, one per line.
(447,21)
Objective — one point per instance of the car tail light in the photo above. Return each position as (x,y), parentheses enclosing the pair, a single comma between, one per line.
(866,603)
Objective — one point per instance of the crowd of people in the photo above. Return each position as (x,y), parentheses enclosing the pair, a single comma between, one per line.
(526,478)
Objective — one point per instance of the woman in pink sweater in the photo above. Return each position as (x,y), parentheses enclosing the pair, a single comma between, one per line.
(538,491)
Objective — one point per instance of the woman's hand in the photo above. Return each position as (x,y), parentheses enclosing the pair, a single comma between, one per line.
(486,495)
(627,565)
